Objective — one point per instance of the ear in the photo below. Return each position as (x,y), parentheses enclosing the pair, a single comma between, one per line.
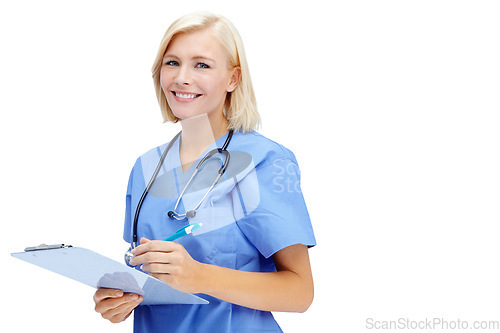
(235,79)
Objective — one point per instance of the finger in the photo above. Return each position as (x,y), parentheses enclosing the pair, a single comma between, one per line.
(168,279)
(149,257)
(103,293)
(155,246)
(122,311)
(159,268)
(108,307)
(108,304)
(143,240)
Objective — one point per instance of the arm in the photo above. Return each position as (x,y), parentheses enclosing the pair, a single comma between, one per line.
(288,289)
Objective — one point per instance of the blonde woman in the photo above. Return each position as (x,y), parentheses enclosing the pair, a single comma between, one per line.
(250,256)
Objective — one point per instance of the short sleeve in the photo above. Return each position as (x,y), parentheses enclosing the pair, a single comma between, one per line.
(281,219)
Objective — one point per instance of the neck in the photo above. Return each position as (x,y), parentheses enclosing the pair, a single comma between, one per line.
(199,132)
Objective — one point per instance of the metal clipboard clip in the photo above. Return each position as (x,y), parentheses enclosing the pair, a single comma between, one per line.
(46,247)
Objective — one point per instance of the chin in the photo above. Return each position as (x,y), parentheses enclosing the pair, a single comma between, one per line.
(186,114)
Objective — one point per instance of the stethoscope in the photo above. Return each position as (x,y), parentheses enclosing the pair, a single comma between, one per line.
(173,214)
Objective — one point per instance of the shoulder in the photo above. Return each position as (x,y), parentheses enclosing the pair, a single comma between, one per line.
(148,160)
(264,151)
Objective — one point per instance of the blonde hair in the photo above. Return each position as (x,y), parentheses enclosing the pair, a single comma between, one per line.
(240,107)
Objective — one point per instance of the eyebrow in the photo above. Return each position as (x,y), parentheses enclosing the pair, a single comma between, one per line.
(193,58)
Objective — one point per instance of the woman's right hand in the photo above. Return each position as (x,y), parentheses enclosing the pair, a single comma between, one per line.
(115,305)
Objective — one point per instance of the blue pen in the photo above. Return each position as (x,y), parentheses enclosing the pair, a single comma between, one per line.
(185,230)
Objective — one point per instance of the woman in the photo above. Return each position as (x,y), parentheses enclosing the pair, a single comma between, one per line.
(250,256)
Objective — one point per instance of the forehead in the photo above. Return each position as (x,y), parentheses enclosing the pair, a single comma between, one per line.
(201,43)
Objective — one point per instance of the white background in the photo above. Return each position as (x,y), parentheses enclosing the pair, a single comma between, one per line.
(391,107)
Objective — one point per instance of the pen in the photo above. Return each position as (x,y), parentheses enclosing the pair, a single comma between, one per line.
(185,230)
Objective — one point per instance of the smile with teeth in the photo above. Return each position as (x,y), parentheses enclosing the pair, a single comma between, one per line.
(185,95)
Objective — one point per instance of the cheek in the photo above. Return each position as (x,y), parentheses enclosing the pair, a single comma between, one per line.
(165,81)
(217,86)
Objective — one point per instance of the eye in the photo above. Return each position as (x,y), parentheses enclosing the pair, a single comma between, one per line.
(202,65)
(170,63)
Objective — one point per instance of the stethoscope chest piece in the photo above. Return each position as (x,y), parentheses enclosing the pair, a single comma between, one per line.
(173,214)
(189,214)
(128,256)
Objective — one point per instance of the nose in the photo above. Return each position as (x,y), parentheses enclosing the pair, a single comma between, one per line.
(183,77)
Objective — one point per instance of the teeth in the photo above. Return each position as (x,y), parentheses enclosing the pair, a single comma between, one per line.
(185,95)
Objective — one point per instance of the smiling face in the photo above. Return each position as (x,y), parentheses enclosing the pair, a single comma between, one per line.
(195,75)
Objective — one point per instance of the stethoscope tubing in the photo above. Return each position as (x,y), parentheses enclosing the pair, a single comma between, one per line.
(146,190)
(191,213)
(173,214)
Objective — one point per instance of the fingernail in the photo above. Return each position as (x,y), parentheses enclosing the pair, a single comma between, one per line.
(133,297)
(118,293)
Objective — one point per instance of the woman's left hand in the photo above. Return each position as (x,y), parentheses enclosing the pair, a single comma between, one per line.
(168,262)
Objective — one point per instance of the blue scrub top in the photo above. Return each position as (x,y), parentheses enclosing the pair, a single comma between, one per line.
(255,211)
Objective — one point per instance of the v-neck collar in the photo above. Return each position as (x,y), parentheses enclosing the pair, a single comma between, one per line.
(192,167)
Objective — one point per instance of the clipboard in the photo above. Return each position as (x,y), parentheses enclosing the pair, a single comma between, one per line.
(98,271)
